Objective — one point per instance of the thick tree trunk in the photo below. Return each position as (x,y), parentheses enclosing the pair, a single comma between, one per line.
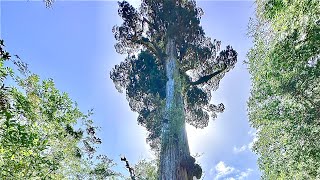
(174,145)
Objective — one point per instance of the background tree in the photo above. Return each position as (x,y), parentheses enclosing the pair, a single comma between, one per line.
(285,97)
(146,169)
(168,76)
(38,134)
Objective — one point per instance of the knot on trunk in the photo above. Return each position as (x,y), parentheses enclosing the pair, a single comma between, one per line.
(191,166)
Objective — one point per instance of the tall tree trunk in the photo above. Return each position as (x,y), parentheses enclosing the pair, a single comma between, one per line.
(174,145)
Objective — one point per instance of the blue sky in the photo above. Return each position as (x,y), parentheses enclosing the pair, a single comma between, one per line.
(73,44)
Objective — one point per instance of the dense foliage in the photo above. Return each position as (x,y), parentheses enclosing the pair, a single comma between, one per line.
(285,97)
(43,134)
(143,35)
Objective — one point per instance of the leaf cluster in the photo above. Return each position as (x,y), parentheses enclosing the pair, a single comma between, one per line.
(285,95)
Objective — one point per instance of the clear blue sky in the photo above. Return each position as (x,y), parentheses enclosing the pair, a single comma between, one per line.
(73,44)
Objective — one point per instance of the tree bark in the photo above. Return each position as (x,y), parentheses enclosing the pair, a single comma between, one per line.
(174,145)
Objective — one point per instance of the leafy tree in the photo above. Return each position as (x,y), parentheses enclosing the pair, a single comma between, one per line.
(38,134)
(168,76)
(285,96)
(146,169)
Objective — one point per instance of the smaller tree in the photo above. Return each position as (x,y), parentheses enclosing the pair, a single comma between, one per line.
(38,138)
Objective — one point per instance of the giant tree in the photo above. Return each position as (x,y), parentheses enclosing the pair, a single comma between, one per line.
(168,75)
(285,96)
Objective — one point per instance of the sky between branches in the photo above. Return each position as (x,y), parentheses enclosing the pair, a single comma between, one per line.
(73,44)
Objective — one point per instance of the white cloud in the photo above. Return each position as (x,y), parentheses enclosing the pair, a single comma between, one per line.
(231,178)
(243,175)
(135,3)
(237,150)
(221,170)
(225,172)
(252,132)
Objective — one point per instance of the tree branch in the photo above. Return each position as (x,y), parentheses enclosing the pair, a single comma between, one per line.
(206,78)
(130,169)
(150,46)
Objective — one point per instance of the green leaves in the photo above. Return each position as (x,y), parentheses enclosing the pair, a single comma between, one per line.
(38,134)
(285,95)
(143,79)
(146,170)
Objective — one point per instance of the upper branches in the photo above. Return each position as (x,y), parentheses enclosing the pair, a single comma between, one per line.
(155,22)
(135,32)
(224,62)
(200,81)
(201,63)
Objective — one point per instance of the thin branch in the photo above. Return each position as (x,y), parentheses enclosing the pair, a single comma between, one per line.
(130,169)
(206,78)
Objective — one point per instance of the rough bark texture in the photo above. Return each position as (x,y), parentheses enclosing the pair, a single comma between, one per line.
(174,146)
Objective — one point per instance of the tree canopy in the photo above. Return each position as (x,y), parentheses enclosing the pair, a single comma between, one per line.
(143,35)
(285,96)
(43,134)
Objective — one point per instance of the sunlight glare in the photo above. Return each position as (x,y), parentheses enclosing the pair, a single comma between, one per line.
(135,3)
